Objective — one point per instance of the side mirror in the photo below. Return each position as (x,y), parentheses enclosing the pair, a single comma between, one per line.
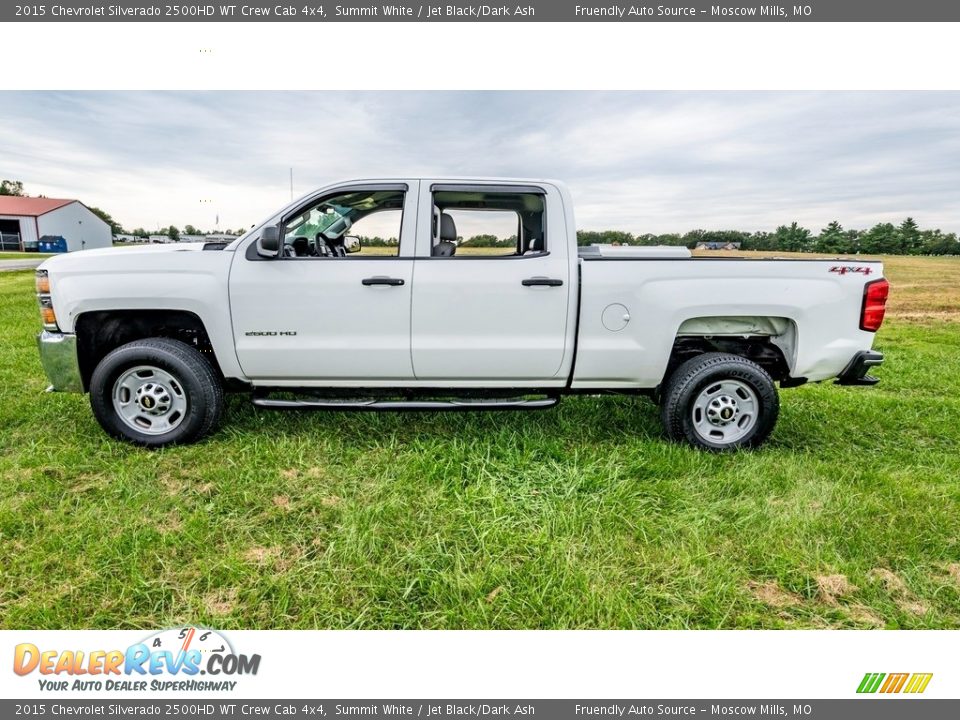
(352,244)
(268,244)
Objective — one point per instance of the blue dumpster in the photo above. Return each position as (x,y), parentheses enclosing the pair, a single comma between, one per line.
(52,244)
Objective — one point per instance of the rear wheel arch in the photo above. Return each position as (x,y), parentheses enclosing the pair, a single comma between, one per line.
(768,341)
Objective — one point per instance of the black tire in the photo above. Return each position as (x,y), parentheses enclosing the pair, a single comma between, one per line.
(196,387)
(689,388)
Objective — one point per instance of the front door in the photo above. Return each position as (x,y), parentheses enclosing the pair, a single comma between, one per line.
(335,305)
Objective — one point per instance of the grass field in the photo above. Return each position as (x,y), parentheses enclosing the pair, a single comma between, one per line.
(12,255)
(578,517)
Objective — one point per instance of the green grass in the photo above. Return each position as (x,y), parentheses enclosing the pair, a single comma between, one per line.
(12,255)
(578,517)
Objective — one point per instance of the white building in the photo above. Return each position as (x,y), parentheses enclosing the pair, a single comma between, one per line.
(26,223)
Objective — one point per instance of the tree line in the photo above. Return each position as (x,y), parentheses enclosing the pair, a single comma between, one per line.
(882,239)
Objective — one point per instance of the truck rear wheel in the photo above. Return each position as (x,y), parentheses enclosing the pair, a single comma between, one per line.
(719,401)
(156,392)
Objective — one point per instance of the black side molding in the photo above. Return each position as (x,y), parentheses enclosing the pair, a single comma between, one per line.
(855,373)
(547,282)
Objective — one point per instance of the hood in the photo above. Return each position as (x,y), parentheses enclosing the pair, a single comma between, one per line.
(65,259)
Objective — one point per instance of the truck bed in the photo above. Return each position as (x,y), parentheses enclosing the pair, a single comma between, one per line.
(634,303)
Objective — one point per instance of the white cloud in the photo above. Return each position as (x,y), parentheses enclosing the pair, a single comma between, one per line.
(644,162)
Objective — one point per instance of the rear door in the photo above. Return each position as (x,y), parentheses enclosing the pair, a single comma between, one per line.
(495,311)
(318,314)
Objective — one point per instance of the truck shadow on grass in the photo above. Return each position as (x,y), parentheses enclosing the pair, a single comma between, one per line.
(575,420)
(578,422)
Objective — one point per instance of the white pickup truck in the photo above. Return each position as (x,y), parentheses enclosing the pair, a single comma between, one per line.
(433,294)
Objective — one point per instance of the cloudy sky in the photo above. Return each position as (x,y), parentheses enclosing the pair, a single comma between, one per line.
(637,161)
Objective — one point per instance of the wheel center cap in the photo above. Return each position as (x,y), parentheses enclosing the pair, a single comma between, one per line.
(722,410)
(153,398)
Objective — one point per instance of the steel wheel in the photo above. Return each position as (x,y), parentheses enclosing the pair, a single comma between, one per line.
(720,402)
(149,400)
(725,411)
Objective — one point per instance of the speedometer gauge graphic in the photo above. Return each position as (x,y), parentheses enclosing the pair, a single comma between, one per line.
(183,639)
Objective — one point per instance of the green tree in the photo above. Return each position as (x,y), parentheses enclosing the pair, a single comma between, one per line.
(604,237)
(173,233)
(691,238)
(115,227)
(484,240)
(761,241)
(831,239)
(881,238)
(853,241)
(139,232)
(935,242)
(910,240)
(11,187)
(190,230)
(792,238)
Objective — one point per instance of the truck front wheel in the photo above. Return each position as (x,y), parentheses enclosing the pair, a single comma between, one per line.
(719,401)
(156,392)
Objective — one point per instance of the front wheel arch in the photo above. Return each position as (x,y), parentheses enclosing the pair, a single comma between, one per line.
(99,332)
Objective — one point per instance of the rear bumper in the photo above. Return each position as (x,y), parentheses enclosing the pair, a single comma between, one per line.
(58,355)
(855,373)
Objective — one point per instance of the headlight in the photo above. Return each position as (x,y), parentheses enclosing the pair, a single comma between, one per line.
(47,315)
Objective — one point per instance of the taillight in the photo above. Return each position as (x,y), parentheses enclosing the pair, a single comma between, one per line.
(875,295)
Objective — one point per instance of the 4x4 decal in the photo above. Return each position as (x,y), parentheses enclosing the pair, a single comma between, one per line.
(844,269)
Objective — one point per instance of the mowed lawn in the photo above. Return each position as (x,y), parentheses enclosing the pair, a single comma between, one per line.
(577,517)
(12,255)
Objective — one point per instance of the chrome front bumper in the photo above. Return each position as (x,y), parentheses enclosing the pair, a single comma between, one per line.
(58,355)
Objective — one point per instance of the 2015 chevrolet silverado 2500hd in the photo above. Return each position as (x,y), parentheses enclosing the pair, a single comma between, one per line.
(302,313)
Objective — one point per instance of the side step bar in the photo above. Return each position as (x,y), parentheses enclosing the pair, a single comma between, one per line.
(455,404)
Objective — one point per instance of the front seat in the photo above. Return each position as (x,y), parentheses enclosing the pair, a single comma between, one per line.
(535,247)
(447,247)
(301,246)
(330,247)
(320,246)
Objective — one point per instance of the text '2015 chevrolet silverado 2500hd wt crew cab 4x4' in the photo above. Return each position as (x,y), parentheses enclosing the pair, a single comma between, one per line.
(365,295)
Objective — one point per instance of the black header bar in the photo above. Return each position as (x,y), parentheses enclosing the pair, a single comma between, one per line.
(460,11)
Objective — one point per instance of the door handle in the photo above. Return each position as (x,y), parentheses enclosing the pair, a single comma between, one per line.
(382,281)
(536,281)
